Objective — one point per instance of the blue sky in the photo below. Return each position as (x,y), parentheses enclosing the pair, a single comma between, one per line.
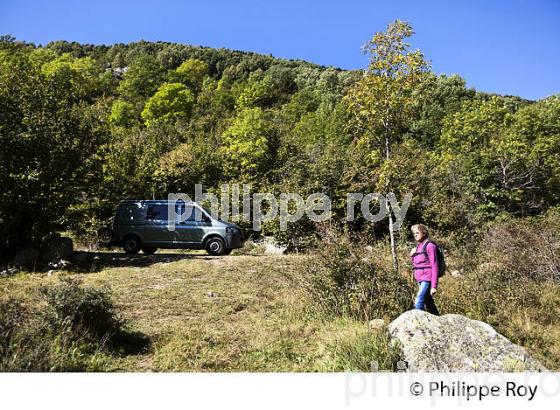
(507,47)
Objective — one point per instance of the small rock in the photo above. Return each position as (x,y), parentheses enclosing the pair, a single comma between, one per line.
(369,248)
(456,273)
(377,324)
(239,307)
(8,271)
(273,248)
(64,263)
(49,273)
(211,294)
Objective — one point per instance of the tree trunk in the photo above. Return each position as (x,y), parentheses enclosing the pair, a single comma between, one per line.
(393,243)
(391,228)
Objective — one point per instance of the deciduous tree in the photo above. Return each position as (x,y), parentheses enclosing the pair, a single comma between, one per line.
(384,100)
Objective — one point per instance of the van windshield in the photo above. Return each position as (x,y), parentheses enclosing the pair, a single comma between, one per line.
(206,210)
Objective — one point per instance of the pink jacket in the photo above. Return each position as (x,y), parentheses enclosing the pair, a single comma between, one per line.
(430,265)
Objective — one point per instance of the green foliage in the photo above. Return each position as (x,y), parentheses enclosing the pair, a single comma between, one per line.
(86,312)
(191,73)
(246,144)
(123,114)
(131,160)
(186,165)
(75,326)
(383,104)
(47,137)
(500,159)
(344,279)
(82,73)
(85,126)
(171,102)
(142,78)
(257,93)
(41,56)
(385,99)
(282,80)
(441,98)
(301,103)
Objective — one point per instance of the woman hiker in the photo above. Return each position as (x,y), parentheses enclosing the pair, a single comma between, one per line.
(425,270)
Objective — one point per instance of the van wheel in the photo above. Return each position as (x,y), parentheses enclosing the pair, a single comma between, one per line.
(149,251)
(215,246)
(131,245)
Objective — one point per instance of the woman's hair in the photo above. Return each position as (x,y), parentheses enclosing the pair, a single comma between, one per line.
(421,228)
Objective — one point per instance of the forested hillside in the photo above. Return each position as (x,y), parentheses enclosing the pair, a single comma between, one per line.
(83,127)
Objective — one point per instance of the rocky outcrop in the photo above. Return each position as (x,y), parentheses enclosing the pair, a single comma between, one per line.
(455,343)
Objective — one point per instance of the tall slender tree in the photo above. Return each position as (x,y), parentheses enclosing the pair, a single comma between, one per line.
(385,99)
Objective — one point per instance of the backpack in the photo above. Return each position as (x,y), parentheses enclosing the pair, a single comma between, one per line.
(439,256)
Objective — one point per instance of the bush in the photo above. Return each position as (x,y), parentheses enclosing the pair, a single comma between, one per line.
(345,279)
(12,316)
(524,248)
(85,312)
(18,350)
(70,333)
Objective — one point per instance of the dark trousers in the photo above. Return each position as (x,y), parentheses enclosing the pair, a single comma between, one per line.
(424,300)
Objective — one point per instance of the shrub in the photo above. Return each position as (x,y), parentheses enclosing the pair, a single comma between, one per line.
(70,333)
(12,315)
(524,248)
(85,312)
(26,344)
(17,350)
(344,279)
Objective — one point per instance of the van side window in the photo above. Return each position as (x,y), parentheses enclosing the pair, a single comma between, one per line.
(195,214)
(157,212)
(180,209)
(130,212)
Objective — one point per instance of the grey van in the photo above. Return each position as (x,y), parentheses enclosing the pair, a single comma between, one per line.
(144,225)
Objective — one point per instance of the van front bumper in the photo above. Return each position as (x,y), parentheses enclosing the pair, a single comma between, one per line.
(235,240)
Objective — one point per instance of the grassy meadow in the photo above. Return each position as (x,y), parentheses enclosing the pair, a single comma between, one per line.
(202,313)
(190,312)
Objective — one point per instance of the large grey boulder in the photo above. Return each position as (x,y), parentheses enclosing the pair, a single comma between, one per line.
(455,343)
(58,248)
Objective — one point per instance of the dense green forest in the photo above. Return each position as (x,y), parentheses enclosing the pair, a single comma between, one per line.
(85,126)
